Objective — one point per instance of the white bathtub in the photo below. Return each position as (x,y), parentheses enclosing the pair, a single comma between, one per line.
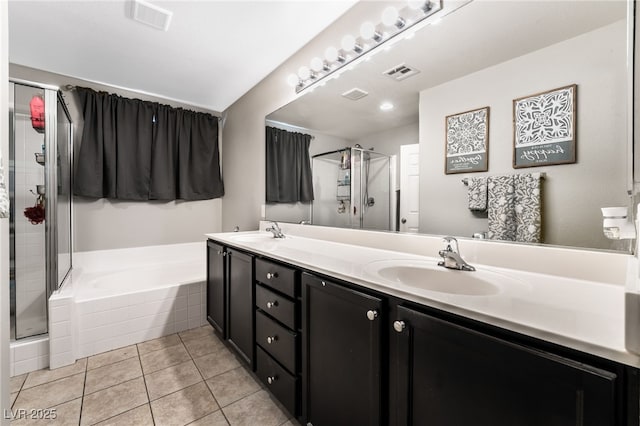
(116,298)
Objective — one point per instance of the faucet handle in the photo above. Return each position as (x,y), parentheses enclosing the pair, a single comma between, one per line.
(449,240)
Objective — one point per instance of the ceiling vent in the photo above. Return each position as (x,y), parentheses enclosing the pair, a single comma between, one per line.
(355,94)
(401,72)
(151,15)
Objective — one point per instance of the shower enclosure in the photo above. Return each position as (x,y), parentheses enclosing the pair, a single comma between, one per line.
(40,160)
(352,189)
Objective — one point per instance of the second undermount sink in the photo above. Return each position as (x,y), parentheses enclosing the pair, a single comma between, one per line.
(252,237)
(429,276)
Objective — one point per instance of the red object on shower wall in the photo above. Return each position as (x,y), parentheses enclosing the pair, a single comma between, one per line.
(37,113)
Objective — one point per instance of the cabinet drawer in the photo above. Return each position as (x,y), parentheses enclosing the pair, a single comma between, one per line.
(276,276)
(278,341)
(282,309)
(282,384)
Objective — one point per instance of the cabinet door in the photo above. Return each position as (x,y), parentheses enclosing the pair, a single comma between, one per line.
(241,301)
(451,375)
(216,294)
(341,331)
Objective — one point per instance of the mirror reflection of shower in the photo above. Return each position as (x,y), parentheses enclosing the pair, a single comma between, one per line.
(40,202)
(352,189)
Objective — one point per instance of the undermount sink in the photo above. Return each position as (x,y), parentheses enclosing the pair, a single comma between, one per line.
(429,276)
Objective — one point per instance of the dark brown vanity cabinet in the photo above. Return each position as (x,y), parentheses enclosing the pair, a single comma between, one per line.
(343,368)
(447,374)
(278,331)
(216,287)
(230,297)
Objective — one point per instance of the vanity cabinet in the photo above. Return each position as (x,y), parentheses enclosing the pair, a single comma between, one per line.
(278,331)
(448,374)
(216,287)
(337,353)
(230,297)
(343,364)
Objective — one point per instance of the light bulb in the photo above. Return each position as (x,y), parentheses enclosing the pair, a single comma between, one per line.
(293,80)
(348,43)
(386,106)
(425,5)
(331,54)
(317,64)
(304,73)
(389,16)
(367,30)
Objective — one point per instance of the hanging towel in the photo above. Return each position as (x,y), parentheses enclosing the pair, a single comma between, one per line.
(4,195)
(514,207)
(501,207)
(478,194)
(528,207)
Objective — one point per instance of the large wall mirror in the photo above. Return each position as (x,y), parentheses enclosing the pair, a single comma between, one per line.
(483,54)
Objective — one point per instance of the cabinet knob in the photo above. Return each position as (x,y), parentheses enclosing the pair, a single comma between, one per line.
(272,275)
(272,339)
(272,304)
(371,314)
(399,326)
(219,251)
(271,379)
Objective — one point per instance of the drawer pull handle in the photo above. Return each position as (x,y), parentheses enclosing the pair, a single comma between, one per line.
(399,326)
(272,275)
(272,339)
(272,304)
(371,314)
(271,379)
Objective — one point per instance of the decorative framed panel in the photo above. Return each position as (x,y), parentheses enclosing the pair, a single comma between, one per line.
(467,141)
(544,128)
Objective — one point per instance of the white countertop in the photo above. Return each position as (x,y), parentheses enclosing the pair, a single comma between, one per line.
(584,315)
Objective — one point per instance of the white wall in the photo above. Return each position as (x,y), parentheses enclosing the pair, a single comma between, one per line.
(106,224)
(570,214)
(4,223)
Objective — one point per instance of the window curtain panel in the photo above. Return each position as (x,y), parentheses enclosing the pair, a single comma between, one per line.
(288,167)
(139,150)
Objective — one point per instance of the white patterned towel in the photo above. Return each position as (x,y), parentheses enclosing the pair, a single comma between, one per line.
(478,194)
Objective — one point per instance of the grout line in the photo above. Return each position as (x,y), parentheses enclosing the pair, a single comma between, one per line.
(144,379)
(84,385)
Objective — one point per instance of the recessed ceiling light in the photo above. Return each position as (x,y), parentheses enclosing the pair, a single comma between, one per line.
(386,106)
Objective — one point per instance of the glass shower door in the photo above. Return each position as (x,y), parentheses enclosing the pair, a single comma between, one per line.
(63,191)
(26,190)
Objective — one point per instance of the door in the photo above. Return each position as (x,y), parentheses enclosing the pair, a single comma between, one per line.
(216,294)
(341,331)
(452,375)
(409,187)
(241,303)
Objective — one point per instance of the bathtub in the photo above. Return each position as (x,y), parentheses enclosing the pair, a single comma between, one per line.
(116,298)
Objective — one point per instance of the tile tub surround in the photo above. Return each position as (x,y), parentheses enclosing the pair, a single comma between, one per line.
(147,384)
(116,298)
(572,311)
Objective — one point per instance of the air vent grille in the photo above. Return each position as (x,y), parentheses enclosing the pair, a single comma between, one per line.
(401,72)
(150,14)
(355,94)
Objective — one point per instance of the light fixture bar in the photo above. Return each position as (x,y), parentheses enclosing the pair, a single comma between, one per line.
(372,36)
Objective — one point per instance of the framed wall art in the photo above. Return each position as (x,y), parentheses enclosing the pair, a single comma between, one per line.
(544,128)
(467,141)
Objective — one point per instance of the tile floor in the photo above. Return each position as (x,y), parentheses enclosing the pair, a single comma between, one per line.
(186,378)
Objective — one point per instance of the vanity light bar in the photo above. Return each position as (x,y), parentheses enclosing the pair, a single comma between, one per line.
(393,24)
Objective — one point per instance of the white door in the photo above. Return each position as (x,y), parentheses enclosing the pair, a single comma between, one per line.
(409,187)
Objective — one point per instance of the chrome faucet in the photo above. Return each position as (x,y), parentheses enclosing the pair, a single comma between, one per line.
(275,230)
(451,258)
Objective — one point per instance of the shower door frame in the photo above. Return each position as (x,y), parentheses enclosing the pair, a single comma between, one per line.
(52,96)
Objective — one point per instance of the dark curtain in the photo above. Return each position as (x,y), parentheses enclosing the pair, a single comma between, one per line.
(138,150)
(288,166)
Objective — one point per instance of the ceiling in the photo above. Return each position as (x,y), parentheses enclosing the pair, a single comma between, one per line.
(212,54)
(467,40)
